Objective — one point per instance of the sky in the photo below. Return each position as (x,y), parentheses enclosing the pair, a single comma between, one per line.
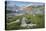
(12,3)
(18,3)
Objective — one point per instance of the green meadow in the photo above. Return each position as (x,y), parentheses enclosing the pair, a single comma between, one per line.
(38,19)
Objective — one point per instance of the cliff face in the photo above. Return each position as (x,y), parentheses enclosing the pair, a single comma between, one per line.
(34,9)
(28,8)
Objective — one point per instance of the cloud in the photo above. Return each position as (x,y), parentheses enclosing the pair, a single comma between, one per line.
(19,3)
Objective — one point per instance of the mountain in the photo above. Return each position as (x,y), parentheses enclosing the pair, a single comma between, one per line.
(35,9)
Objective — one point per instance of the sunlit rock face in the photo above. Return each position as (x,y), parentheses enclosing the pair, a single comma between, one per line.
(27,24)
(28,8)
(23,22)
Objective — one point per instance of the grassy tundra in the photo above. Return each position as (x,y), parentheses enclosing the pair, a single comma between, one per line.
(37,19)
